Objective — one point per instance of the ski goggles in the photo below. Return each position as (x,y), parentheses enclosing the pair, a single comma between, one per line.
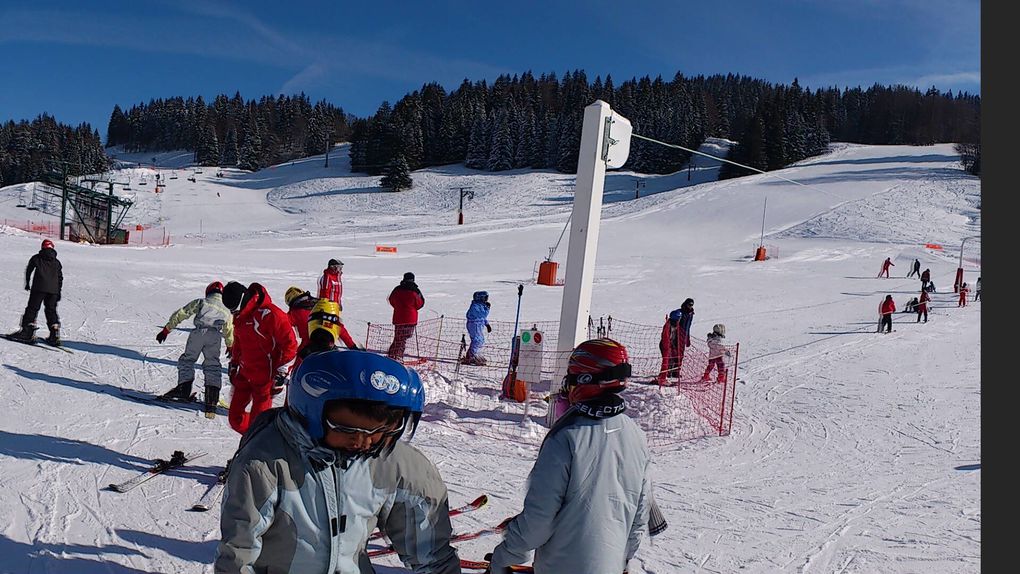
(614,373)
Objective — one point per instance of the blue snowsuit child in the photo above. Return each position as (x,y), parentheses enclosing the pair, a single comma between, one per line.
(477,326)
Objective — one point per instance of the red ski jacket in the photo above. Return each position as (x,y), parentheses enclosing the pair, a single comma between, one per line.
(922,305)
(331,287)
(299,319)
(406,299)
(887,307)
(264,342)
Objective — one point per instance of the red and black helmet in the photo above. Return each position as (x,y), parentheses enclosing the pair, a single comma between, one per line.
(596,367)
(214,287)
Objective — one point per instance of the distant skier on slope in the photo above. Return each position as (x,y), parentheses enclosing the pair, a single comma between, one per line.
(676,337)
(477,325)
(964,292)
(44,280)
(406,300)
(331,285)
(885,311)
(716,352)
(312,480)
(922,306)
(925,279)
(915,269)
(885,267)
(589,495)
(263,352)
(214,324)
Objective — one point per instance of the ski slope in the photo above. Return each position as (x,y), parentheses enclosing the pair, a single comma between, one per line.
(851,451)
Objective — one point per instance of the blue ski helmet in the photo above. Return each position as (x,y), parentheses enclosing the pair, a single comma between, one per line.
(357,375)
(675,315)
(480,296)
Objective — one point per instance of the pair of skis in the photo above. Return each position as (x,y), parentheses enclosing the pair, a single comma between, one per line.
(178,460)
(483,565)
(453,539)
(38,342)
(469,507)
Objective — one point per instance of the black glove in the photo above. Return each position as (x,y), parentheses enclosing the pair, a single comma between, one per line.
(232,371)
(279,383)
(27,287)
(488,328)
(161,336)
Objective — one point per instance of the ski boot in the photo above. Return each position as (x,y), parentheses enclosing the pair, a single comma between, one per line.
(54,338)
(182,392)
(26,334)
(212,400)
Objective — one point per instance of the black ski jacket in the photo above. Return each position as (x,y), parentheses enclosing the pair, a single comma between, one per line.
(49,275)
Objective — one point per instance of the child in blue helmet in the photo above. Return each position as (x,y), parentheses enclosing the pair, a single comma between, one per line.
(477,326)
(312,480)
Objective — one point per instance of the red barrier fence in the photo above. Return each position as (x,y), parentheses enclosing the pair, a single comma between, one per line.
(136,235)
(466,397)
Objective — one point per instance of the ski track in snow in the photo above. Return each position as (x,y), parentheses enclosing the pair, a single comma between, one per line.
(845,442)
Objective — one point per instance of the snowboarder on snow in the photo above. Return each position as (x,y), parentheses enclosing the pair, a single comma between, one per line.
(214,324)
(885,312)
(331,285)
(477,326)
(44,280)
(262,355)
(589,496)
(406,299)
(885,267)
(716,351)
(310,481)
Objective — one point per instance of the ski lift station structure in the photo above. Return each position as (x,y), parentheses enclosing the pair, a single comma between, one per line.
(87,214)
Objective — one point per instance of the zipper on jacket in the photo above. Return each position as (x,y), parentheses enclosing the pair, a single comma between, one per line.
(337,526)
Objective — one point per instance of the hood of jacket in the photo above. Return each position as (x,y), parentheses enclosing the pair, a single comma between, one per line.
(48,253)
(255,297)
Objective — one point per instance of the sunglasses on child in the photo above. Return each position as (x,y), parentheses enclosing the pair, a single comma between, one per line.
(386,429)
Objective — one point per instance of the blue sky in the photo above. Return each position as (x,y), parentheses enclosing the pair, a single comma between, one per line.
(76,59)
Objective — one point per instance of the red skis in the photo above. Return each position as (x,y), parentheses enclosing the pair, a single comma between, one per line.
(469,507)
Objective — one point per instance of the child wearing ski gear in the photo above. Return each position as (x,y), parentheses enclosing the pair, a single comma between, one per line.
(311,481)
(885,267)
(675,340)
(588,499)
(263,351)
(885,310)
(44,280)
(964,291)
(301,306)
(406,299)
(477,325)
(915,269)
(911,306)
(331,286)
(716,351)
(232,294)
(213,324)
(922,306)
(977,290)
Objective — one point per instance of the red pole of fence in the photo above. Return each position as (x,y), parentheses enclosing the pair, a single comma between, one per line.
(736,363)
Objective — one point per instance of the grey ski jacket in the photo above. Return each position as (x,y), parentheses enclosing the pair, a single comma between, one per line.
(290,505)
(587,502)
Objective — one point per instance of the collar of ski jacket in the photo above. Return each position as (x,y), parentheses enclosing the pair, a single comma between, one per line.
(295,434)
(48,253)
(602,407)
(259,298)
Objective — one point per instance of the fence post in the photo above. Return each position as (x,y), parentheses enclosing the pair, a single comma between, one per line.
(439,340)
(736,362)
(368,334)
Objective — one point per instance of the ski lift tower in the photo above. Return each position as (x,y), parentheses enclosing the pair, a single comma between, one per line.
(605,144)
(95,216)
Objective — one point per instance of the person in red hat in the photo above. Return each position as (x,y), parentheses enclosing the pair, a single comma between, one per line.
(44,279)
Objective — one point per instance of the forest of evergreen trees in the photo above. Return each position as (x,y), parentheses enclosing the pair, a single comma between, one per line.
(528,122)
(516,122)
(30,149)
(230,131)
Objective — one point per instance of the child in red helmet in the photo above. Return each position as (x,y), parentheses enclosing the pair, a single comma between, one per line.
(589,496)
(213,324)
(44,279)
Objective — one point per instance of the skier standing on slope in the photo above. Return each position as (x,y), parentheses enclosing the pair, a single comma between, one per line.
(915,269)
(263,351)
(589,495)
(925,279)
(477,325)
(716,352)
(922,306)
(44,280)
(885,311)
(311,481)
(885,267)
(214,324)
(406,300)
(331,285)
(964,291)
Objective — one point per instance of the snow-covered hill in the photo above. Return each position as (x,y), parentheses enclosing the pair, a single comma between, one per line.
(851,451)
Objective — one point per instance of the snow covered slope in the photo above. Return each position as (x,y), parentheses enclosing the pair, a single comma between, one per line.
(851,451)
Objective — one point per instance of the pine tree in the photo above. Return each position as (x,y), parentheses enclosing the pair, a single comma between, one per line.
(251,151)
(501,152)
(397,176)
(230,153)
(478,149)
(208,151)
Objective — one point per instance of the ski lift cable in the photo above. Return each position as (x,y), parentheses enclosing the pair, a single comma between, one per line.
(552,250)
(771,174)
